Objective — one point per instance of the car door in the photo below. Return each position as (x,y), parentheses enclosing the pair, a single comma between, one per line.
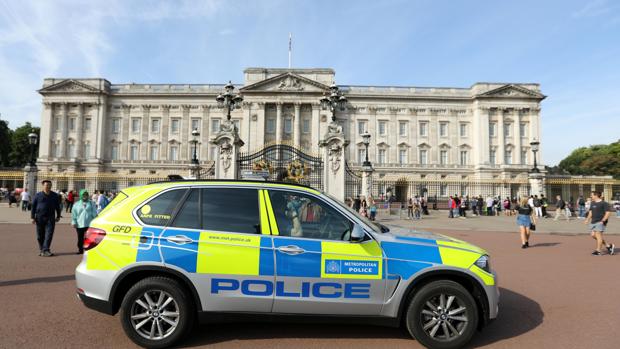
(235,259)
(318,270)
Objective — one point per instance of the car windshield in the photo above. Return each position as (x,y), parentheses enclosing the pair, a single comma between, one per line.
(380,228)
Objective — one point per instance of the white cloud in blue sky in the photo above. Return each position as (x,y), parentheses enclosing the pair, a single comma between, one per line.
(572,48)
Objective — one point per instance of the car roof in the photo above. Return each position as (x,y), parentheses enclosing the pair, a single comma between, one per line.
(233,182)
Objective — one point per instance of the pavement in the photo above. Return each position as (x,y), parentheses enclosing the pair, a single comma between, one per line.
(553,295)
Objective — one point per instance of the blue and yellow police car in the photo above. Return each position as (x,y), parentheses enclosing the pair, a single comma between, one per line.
(167,255)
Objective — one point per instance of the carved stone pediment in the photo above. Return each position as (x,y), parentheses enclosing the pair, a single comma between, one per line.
(512,91)
(287,82)
(70,86)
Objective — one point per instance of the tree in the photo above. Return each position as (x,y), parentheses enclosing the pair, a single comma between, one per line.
(5,143)
(594,160)
(20,152)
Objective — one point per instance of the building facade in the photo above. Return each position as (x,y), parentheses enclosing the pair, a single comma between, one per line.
(480,132)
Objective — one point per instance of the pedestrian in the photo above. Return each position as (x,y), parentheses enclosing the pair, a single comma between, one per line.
(373,208)
(70,201)
(363,208)
(45,205)
(102,201)
(410,208)
(456,206)
(568,209)
(544,203)
(417,209)
(450,205)
(357,204)
(479,204)
(581,203)
(537,206)
(597,217)
(81,216)
(424,205)
(474,206)
(506,203)
(617,208)
(25,198)
(526,220)
(560,206)
(490,206)
(12,199)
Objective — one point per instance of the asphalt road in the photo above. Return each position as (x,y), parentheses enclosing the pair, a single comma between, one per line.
(554,295)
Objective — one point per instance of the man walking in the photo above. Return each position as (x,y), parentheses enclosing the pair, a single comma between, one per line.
(560,205)
(597,217)
(44,205)
(537,206)
(582,207)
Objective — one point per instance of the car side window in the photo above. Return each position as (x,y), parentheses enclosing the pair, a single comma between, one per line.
(300,215)
(189,215)
(231,210)
(159,210)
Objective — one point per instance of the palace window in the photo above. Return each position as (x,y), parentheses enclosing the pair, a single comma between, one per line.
(87,124)
(361,155)
(195,124)
(492,129)
(524,156)
(402,156)
(155,126)
(402,128)
(361,127)
(271,125)
(133,152)
(443,129)
(423,129)
(135,125)
(288,125)
(508,157)
(154,152)
(381,156)
(464,157)
(382,128)
(175,125)
(492,156)
(423,156)
(71,124)
(71,149)
(114,152)
(443,157)
(463,129)
(86,154)
(507,131)
(215,125)
(306,126)
(174,152)
(116,125)
(523,130)
(57,124)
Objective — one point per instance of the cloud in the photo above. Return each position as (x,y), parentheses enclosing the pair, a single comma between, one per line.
(593,9)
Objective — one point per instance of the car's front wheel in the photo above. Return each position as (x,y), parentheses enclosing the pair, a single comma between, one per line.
(443,315)
(156,312)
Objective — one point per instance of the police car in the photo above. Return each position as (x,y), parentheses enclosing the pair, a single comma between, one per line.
(170,254)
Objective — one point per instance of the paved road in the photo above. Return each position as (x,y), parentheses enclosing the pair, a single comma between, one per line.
(554,295)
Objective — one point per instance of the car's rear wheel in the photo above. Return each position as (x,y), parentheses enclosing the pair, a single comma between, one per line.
(156,312)
(443,315)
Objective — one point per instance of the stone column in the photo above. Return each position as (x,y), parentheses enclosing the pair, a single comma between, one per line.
(260,124)
(64,130)
(100,129)
(517,134)
(46,131)
(297,125)
(185,133)
(247,122)
(30,179)
(537,186)
(228,144)
(480,135)
(367,181)
(501,142)
(315,131)
(79,133)
(146,128)
(165,117)
(204,133)
(279,122)
(333,149)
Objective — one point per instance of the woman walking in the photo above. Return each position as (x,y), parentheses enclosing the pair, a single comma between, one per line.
(83,212)
(525,219)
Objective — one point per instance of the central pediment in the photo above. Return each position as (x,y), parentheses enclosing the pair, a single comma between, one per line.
(512,91)
(286,83)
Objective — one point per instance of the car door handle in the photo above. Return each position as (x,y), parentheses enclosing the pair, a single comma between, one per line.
(179,239)
(292,250)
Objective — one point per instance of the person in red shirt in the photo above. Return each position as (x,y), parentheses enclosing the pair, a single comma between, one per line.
(70,200)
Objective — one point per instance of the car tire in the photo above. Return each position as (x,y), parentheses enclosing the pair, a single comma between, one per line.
(442,315)
(157,312)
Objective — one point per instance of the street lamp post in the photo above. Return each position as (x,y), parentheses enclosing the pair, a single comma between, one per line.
(366,141)
(229,99)
(32,139)
(535,146)
(333,100)
(195,165)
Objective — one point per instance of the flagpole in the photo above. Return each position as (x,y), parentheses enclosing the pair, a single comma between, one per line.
(290,39)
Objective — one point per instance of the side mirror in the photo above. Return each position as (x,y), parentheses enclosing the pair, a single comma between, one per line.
(358,234)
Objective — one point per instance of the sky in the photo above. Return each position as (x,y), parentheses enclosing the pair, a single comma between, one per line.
(571,48)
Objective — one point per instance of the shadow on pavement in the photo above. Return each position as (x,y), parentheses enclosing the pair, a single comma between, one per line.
(518,315)
(38,279)
(546,244)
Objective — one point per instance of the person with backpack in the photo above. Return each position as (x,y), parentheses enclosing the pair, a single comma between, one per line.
(560,207)
(526,220)
(537,206)
(102,201)
(581,203)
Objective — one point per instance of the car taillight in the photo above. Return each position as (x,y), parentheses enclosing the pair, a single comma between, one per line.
(93,237)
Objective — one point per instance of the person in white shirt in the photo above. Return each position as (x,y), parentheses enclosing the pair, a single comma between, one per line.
(25,199)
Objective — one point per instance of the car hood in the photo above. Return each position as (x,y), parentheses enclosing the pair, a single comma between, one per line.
(411,236)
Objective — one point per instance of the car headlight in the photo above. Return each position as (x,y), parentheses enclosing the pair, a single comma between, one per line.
(483,263)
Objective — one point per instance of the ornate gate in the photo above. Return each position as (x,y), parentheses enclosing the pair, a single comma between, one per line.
(284,163)
(352,183)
